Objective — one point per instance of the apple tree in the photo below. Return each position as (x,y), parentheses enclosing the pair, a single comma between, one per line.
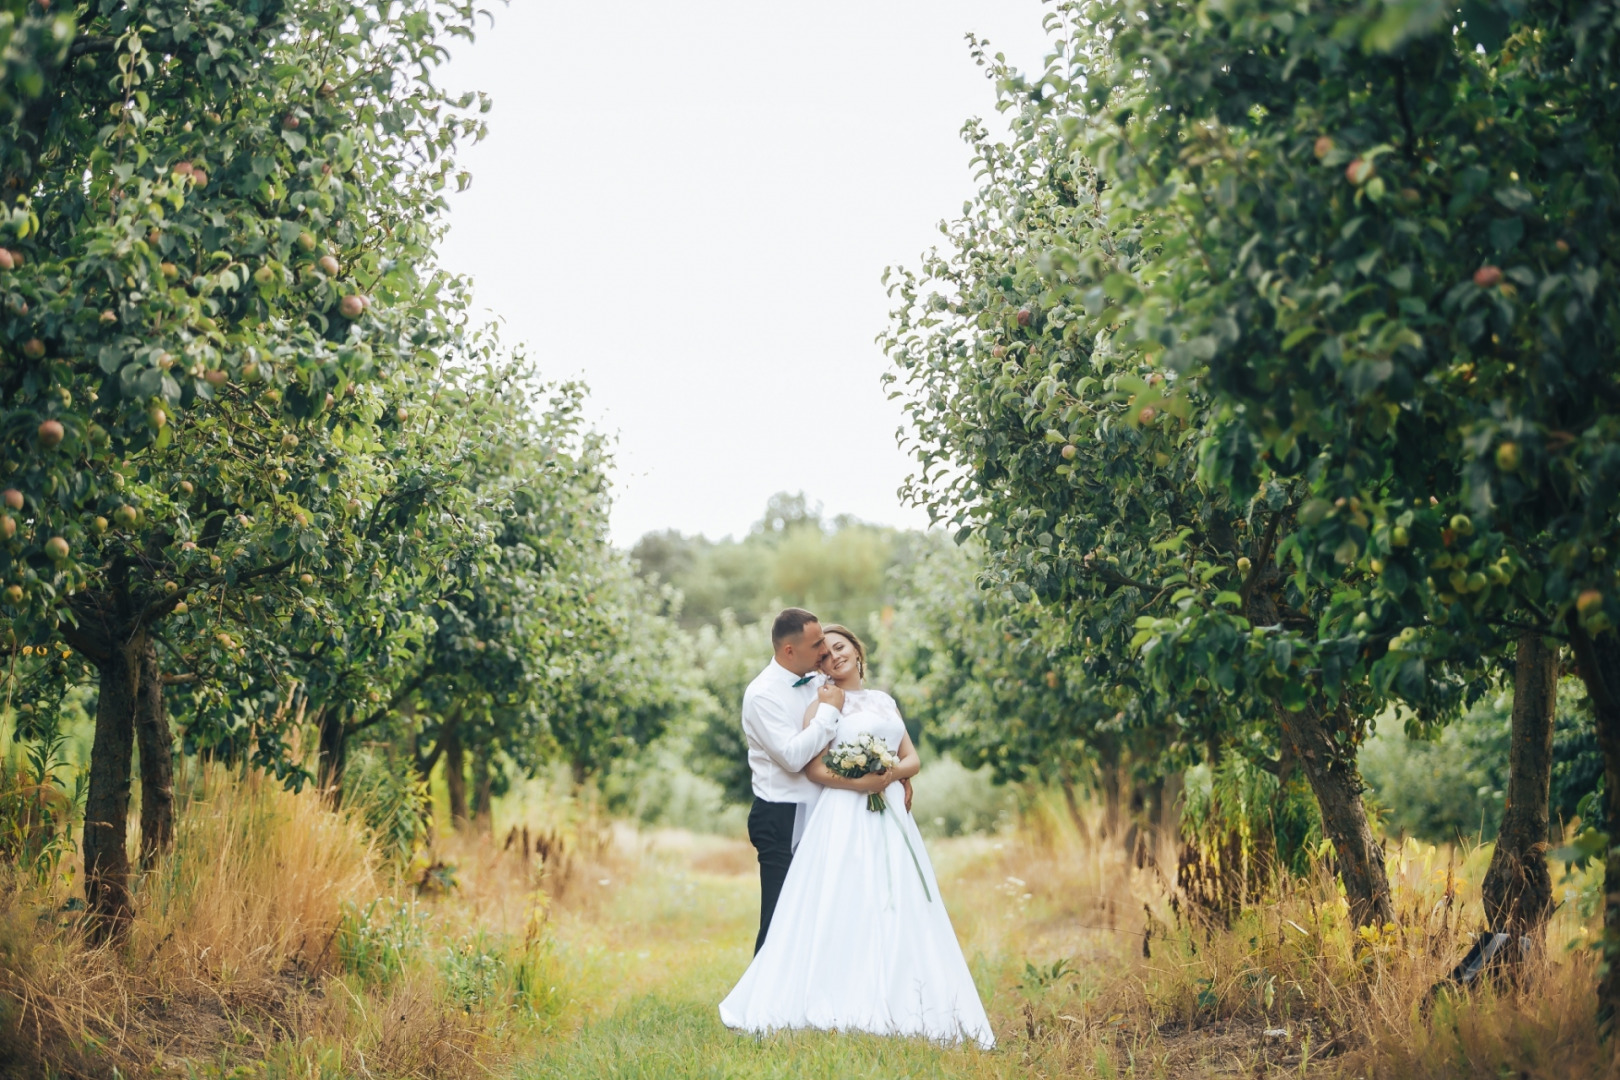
(1393,279)
(218,223)
(1059,418)
(1291,253)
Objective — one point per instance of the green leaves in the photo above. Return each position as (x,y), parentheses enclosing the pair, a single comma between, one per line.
(281,444)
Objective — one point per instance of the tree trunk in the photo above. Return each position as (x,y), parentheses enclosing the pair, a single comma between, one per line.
(1598,659)
(1066,781)
(333,757)
(482,789)
(455,775)
(106,807)
(157,760)
(1108,771)
(1518,887)
(1308,736)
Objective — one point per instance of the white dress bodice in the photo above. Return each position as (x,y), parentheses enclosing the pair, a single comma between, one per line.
(870,712)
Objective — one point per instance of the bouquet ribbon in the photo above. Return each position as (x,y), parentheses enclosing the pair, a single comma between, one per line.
(898,824)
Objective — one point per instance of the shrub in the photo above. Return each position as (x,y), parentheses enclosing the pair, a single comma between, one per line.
(393,802)
(377,942)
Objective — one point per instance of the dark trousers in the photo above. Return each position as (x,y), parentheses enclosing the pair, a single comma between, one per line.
(770,828)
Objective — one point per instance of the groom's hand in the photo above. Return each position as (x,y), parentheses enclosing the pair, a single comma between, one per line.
(831,695)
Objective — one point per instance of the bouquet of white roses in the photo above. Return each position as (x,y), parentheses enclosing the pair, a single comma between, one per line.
(862,755)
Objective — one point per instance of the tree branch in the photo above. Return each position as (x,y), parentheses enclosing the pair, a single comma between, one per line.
(380,713)
(1410,148)
(158,608)
(95,649)
(86,45)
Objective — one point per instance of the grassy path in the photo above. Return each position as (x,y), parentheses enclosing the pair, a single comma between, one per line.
(653,955)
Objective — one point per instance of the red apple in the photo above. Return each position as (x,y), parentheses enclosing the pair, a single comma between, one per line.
(290,122)
(34,349)
(6,261)
(328,265)
(1024,316)
(351,306)
(13,498)
(50,434)
(1488,276)
(1358,172)
(1323,147)
(8,527)
(215,378)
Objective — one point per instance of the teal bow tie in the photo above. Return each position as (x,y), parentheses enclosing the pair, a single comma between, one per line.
(802,681)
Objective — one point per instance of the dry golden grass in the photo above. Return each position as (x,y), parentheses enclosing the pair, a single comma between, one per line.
(237,955)
(604,956)
(1197,997)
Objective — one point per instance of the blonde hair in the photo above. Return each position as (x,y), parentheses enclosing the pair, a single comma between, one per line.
(848,634)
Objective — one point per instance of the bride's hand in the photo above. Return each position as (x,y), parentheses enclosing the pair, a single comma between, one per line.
(831,695)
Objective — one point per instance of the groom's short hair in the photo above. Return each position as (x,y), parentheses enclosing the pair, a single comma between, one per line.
(789,624)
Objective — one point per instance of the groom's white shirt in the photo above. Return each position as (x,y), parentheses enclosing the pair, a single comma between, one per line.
(779,745)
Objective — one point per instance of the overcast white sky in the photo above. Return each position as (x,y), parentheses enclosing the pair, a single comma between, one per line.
(690,203)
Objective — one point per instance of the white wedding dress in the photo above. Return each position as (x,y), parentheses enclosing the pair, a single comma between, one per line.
(860,940)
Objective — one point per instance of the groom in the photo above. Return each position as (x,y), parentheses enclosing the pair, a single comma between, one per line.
(780,746)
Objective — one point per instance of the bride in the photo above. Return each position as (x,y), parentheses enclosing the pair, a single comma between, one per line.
(860,940)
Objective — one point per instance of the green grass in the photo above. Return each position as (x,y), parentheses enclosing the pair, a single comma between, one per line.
(648,968)
(656,1037)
